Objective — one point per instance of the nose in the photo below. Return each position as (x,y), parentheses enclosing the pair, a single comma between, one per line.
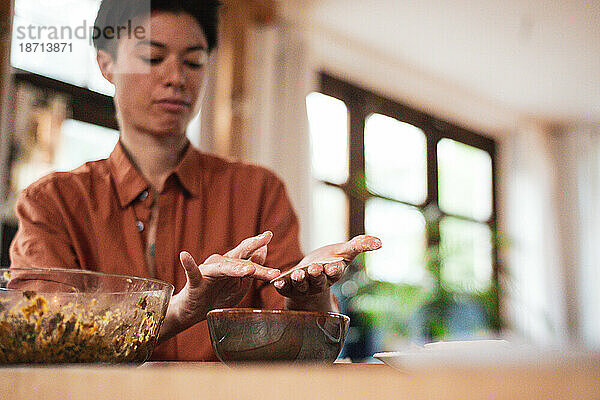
(173,73)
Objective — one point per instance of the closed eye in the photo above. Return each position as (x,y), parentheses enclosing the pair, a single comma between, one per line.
(194,65)
(152,61)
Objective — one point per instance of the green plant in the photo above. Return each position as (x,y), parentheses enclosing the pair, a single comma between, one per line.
(394,307)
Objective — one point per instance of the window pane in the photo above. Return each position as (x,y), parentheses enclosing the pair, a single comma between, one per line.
(330,215)
(401,228)
(76,62)
(465,180)
(396,159)
(467,253)
(96,81)
(81,142)
(328,120)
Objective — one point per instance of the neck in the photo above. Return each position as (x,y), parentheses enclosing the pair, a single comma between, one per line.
(154,156)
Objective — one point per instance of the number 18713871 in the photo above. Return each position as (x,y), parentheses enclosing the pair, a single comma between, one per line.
(46,47)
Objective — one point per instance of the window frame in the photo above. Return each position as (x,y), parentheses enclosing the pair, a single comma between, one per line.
(361,103)
(85,104)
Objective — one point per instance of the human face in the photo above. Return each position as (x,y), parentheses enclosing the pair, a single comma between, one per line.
(158,79)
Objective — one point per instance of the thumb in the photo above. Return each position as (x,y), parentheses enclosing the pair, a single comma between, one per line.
(192,272)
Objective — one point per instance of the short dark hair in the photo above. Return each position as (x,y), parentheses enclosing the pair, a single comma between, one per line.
(115,13)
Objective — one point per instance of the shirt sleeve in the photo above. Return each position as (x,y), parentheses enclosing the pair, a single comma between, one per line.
(42,239)
(284,251)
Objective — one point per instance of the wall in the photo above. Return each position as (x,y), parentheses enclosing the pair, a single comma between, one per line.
(278,128)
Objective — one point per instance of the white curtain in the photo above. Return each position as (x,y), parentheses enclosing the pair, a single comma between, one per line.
(587,279)
(278,130)
(534,291)
(550,190)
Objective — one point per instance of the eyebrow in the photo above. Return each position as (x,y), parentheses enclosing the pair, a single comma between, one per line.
(163,46)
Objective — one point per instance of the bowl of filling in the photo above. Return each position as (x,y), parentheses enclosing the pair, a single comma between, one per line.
(248,335)
(55,316)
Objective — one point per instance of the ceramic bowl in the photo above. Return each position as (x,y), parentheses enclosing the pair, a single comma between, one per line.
(246,335)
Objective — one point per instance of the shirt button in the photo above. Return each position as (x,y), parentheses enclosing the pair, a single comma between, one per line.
(140,226)
(143,196)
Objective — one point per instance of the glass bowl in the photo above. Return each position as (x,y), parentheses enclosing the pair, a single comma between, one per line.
(75,316)
(247,335)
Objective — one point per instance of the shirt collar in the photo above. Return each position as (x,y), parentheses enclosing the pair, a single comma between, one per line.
(130,183)
(188,170)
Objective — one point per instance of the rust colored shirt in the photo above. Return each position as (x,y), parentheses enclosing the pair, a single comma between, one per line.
(94,218)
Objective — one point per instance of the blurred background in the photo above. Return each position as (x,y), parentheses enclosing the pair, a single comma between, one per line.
(465,134)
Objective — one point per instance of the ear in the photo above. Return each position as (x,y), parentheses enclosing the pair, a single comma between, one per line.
(106,64)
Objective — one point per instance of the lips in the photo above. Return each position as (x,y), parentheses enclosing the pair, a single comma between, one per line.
(174,105)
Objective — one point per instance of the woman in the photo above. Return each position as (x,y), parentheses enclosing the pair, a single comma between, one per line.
(157,204)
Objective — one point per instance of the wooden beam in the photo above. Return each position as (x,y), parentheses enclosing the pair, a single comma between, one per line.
(5,35)
(258,11)
(230,121)
(6,15)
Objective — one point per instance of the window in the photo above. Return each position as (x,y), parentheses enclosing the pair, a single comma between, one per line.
(77,63)
(424,186)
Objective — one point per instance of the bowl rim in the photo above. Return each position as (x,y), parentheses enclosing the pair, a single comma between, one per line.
(241,310)
(88,272)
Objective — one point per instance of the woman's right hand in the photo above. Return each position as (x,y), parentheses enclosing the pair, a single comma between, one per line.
(221,281)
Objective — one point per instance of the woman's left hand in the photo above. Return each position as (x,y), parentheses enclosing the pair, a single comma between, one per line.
(308,288)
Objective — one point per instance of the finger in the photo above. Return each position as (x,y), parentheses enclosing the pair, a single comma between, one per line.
(236,268)
(299,281)
(248,246)
(223,267)
(357,245)
(334,271)
(192,272)
(265,273)
(284,286)
(317,280)
(260,255)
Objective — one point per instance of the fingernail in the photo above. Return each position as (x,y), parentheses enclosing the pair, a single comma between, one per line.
(279,284)
(333,270)
(183,255)
(298,275)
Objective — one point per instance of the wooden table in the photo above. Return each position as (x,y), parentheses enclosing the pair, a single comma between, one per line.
(264,382)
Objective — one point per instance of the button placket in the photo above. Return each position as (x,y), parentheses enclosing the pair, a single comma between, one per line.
(165,234)
(142,211)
